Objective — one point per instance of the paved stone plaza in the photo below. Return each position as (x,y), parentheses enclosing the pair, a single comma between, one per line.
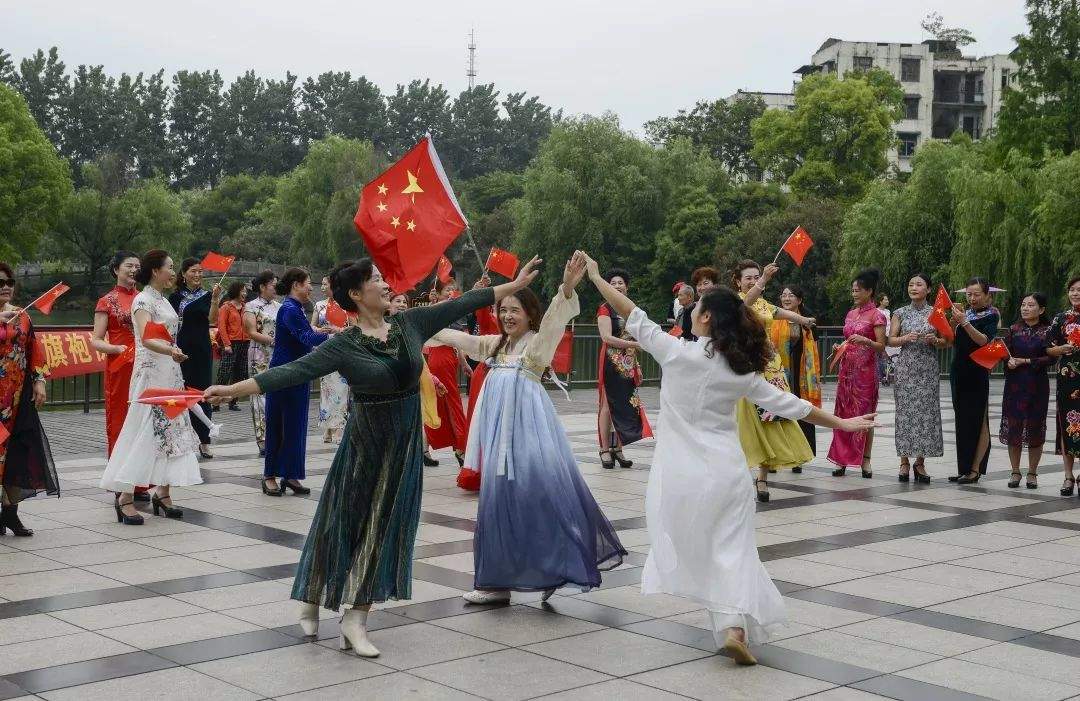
(893,591)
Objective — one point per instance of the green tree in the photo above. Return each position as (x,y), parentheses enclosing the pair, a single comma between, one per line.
(690,231)
(471,147)
(93,115)
(487,192)
(1044,113)
(413,111)
(720,127)
(219,213)
(834,143)
(334,103)
(43,81)
(934,25)
(261,125)
(109,214)
(528,122)
(34,180)
(196,128)
(318,199)
(151,142)
(263,236)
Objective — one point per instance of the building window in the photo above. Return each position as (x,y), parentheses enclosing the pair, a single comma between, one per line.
(909,70)
(908,142)
(862,63)
(911,107)
(1004,78)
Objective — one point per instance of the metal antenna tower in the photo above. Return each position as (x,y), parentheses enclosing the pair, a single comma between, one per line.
(471,72)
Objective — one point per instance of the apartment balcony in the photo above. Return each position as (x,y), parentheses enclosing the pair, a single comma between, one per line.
(959,97)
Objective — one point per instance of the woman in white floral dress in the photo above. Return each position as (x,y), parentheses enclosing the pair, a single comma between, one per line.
(151,448)
(260,322)
(333,388)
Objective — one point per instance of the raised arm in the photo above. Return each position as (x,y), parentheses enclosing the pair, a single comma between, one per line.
(476,347)
(769,396)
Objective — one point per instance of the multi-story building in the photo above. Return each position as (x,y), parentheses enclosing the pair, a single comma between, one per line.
(944,91)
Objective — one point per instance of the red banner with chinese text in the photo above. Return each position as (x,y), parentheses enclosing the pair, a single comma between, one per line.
(68,352)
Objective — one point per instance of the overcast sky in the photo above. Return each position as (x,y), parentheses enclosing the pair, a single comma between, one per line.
(638,59)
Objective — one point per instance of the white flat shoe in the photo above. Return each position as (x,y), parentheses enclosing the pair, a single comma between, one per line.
(354,634)
(487,597)
(309,619)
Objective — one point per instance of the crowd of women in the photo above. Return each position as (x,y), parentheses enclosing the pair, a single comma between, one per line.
(741,388)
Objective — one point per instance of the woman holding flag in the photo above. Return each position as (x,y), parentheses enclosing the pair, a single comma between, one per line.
(152,448)
(198,310)
(360,546)
(26,464)
(770,442)
(798,352)
(1026,399)
(917,386)
(1064,335)
(974,328)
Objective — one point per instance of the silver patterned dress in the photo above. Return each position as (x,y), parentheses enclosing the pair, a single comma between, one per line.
(917,388)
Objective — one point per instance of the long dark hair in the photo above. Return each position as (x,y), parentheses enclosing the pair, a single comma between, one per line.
(531,304)
(235,288)
(797,291)
(735,331)
(1040,299)
(290,278)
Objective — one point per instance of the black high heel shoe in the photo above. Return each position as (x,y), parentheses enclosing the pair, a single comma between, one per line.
(762,495)
(1014,479)
(920,477)
(839,472)
(430,461)
(867,472)
(904,476)
(9,518)
(296,487)
(170,510)
(621,459)
(608,464)
(968,479)
(1067,487)
(273,492)
(121,517)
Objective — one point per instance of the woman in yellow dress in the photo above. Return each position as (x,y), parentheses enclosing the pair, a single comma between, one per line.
(770,442)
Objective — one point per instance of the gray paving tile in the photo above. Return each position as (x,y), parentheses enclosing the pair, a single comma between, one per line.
(176,631)
(145,610)
(178,684)
(517,625)
(705,678)
(992,682)
(636,653)
(509,675)
(994,608)
(50,652)
(33,627)
(621,689)
(289,670)
(36,585)
(862,652)
(945,643)
(419,644)
(398,685)
(155,569)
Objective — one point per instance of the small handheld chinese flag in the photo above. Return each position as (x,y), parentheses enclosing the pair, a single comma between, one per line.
(562,361)
(443,269)
(45,302)
(942,301)
(797,245)
(4,433)
(335,314)
(989,355)
(502,262)
(408,217)
(155,330)
(675,331)
(172,401)
(941,324)
(122,359)
(217,263)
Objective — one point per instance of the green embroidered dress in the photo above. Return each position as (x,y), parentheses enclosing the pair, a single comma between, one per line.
(359,549)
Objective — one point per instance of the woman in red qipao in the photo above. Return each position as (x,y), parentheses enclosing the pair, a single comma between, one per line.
(443,362)
(114,336)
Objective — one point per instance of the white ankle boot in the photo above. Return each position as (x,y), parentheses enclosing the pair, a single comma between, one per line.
(354,634)
(309,618)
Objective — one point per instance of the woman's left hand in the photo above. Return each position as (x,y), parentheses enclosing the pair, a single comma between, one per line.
(573,271)
(39,393)
(808,321)
(215,293)
(7,316)
(957,310)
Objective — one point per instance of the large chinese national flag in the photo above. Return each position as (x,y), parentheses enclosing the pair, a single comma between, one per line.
(408,216)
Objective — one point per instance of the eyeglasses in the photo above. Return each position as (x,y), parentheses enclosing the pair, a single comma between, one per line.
(6,282)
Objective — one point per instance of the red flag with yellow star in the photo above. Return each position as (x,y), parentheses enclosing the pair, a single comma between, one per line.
(408,216)
(45,302)
(797,245)
(172,401)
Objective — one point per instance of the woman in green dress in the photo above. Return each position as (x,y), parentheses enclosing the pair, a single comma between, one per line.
(359,549)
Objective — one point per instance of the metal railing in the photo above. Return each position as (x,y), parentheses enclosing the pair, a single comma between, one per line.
(86,391)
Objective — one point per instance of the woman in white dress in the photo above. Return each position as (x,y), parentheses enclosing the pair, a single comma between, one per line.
(700,499)
(260,321)
(151,448)
(333,389)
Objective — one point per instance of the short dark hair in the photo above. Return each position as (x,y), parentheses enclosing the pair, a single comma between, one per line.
(745,264)
(349,275)
(291,277)
(1072,281)
(617,272)
(922,276)
(152,260)
(235,288)
(868,279)
(5,268)
(735,331)
(263,278)
(118,259)
(702,273)
(982,282)
(1040,299)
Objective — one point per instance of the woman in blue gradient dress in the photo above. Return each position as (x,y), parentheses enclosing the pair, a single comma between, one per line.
(538,526)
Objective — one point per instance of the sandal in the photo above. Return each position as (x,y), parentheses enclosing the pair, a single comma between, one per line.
(1014,479)
(608,464)
(867,472)
(1032,480)
(920,477)
(905,472)
(1066,491)
(762,495)
(839,472)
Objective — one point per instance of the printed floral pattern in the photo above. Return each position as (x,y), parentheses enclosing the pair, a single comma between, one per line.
(917,389)
(1068,383)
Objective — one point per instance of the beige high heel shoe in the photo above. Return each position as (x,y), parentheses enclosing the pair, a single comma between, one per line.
(309,619)
(354,634)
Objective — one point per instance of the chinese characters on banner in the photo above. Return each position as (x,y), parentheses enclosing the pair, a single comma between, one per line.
(69,354)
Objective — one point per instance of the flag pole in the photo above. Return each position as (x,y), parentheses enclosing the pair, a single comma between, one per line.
(782,247)
(476,251)
(27,307)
